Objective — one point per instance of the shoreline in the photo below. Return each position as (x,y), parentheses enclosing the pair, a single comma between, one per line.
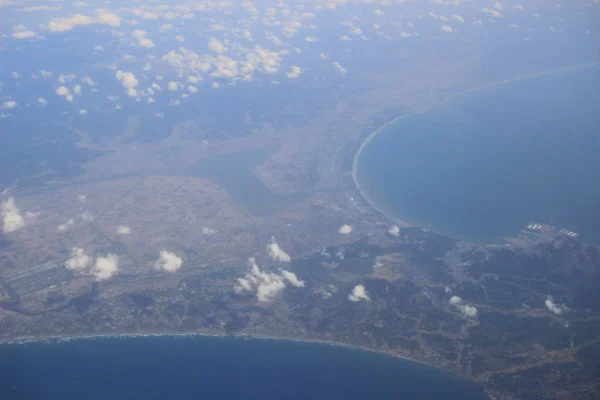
(244,336)
(403,223)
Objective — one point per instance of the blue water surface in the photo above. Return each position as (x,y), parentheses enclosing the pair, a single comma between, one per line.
(215,368)
(480,166)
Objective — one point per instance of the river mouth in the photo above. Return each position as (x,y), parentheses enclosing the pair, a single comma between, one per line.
(482,165)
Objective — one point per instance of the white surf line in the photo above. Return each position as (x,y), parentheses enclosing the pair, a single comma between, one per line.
(368,139)
(522,77)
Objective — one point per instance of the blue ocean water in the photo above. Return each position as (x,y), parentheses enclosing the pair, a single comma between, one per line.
(480,166)
(215,368)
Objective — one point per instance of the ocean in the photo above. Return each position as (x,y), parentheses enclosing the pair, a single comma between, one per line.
(196,367)
(481,165)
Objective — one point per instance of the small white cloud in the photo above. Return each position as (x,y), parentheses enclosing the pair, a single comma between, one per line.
(109,19)
(553,307)
(87,80)
(458,18)
(266,285)
(11,216)
(216,46)
(294,72)
(173,86)
(359,293)
(20,35)
(276,253)
(64,227)
(77,90)
(66,24)
(394,231)
(292,278)
(192,89)
(106,267)
(42,101)
(129,82)
(345,229)
(208,231)
(9,104)
(143,41)
(465,309)
(518,8)
(79,261)
(179,38)
(339,67)
(168,261)
(446,28)
(123,230)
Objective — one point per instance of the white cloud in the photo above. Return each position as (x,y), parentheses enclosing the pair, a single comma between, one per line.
(458,18)
(64,227)
(77,90)
(359,293)
(497,5)
(173,86)
(11,216)
(39,8)
(62,78)
(345,229)
(64,92)
(42,101)
(208,231)
(394,231)
(446,28)
(106,267)
(267,285)
(109,19)
(46,74)
(20,35)
(87,80)
(465,309)
(295,72)
(143,41)
(9,104)
(168,261)
(79,261)
(274,39)
(66,24)
(192,89)
(339,67)
(518,8)
(129,82)
(216,46)
(553,307)
(468,311)
(276,253)
(292,278)
(123,230)
(179,38)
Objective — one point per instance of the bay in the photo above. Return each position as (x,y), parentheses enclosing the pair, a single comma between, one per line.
(196,367)
(482,165)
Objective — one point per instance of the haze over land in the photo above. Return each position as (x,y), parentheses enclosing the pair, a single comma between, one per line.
(187,167)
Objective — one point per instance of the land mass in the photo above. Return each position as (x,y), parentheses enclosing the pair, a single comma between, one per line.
(521,319)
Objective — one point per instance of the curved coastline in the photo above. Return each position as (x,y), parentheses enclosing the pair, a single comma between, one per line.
(241,336)
(403,222)
(362,192)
